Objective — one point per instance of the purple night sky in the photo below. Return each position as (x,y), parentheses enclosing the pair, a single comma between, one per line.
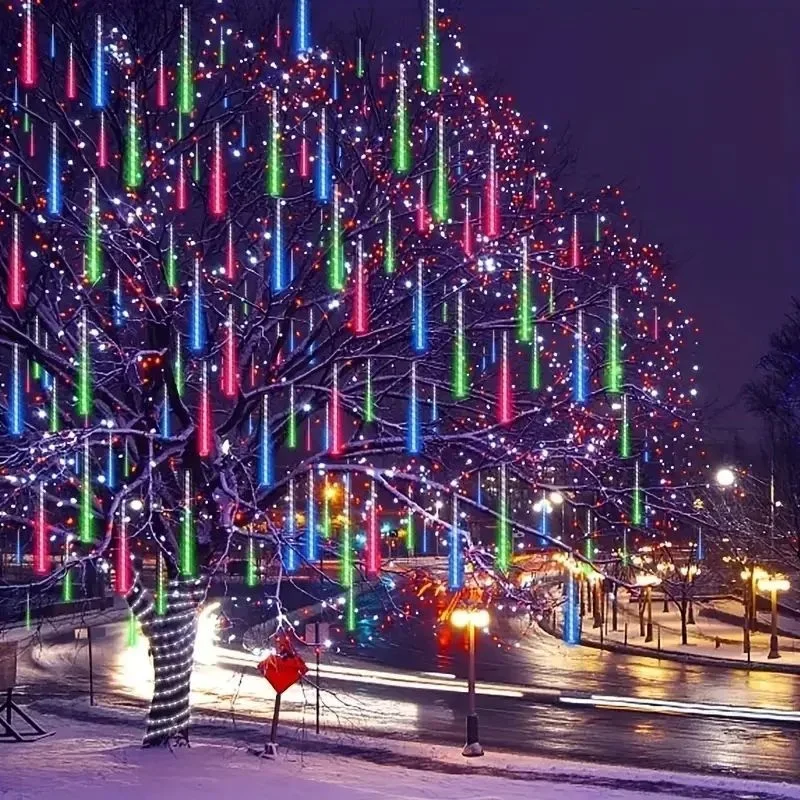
(694,105)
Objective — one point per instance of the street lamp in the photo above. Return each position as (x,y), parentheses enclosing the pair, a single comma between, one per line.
(471,618)
(774,584)
(665,568)
(751,576)
(725,477)
(690,573)
(647,582)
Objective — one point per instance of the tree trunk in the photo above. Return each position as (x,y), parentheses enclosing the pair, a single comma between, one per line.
(684,631)
(172,640)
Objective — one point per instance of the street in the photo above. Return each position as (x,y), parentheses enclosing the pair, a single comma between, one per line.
(389,689)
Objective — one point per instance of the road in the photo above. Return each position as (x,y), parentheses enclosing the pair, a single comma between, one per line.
(388,689)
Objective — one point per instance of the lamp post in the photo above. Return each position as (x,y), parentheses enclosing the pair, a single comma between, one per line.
(774,584)
(689,573)
(665,568)
(647,582)
(471,618)
(751,577)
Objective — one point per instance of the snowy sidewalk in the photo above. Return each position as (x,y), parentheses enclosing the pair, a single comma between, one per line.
(708,638)
(95,762)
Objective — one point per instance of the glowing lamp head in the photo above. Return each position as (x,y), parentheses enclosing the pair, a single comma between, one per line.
(725,477)
(647,580)
(774,583)
(478,617)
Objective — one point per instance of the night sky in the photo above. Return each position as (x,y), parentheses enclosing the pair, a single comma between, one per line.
(693,105)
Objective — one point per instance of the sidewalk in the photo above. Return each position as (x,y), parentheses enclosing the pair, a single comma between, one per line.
(100,757)
(708,639)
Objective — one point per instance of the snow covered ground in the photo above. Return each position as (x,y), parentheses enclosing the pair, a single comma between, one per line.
(93,761)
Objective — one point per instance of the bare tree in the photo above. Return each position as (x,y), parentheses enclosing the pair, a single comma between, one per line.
(240,281)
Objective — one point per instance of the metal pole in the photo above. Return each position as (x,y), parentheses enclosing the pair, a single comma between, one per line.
(746,629)
(773,639)
(649,596)
(273,734)
(614,611)
(471,674)
(472,747)
(316,649)
(641,615)
(91,666)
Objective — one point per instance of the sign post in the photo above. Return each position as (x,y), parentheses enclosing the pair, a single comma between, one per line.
(317,633)
(87,633)
(282,670)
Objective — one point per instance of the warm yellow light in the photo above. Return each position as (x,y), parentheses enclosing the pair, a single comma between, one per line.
(480,618)
(461,617)
(647,580)
(691,571)
(556,498)
(775,583)
(757,572)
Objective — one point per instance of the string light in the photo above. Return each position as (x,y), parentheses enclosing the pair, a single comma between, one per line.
(579,390)
(302,28)
(369,395)
(311,520)
(373,550)
(122,570)
(205,435)
(28,64)
(131,167)
(455,558)
(217,198)
(86,499)
(266,463)
(503,560)
(41,560)
(188,548)
(99,83)
(185,72)
(322,188)
(274,170)
(335,429)
(230,359)
(162,94)
(431,77)
(54,199)
(361,300)
(16,415)
(414,427)
(16,272)
(460,385)
(505,393)
(85,399)
(419,330)
(614,364)
(441,199)
(400,137)
(291,533)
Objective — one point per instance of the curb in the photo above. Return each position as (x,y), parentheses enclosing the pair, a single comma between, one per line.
(685,658)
